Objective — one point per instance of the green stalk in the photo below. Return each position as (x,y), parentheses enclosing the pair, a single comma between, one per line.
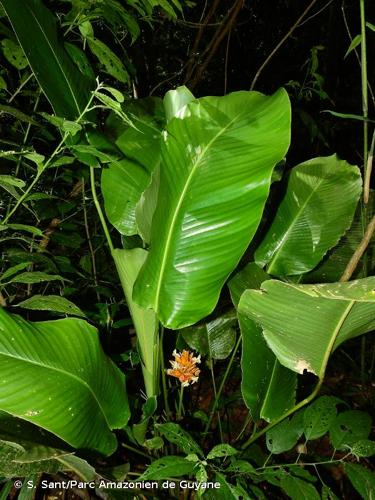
(99,210)
(179,409)
(364,85)
(163,377)
(224,379)
(366,170)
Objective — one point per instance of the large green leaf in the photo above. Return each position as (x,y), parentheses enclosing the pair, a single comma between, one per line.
(35,27)
(128,263)
(303,324)
(317,209)
(217,158)
(55,374)
(268,388)
(124,181)
(334,264)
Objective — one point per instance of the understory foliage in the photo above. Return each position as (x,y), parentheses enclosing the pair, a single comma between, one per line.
(174,290)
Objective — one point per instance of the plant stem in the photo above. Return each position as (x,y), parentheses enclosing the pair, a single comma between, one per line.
(99,209)
(163,377)
(360,250)
(364,85)
(179,409)
(224,379)
(282,41)
(88,235)
(215,395)
(42,168)
(131,448)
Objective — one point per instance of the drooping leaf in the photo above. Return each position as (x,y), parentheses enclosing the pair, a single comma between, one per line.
(175,434)
(268,388)
(303,324)
(51,303)
(349,427)
(215,338)
(166,467)
(317,209)
(124,181)
(73,382)
(216,165)
(65,87)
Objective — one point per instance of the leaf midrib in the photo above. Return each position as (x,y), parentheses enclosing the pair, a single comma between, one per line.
(68,374)
(178,207)
(54,56)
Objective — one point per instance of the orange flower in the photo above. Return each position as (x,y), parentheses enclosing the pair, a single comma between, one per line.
(184,367)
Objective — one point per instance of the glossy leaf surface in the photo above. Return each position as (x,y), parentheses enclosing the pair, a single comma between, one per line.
(303,324)
(124,181)
(216,164)
(55,375)
(268,388)
(65,87)
(317,209)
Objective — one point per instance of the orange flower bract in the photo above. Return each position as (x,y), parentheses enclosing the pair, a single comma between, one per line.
(184,367)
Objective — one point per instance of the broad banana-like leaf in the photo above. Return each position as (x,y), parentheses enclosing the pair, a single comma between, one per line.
(56,375)
(217,158)
(317,209)
(65,86)
(268,388)
(28,449)
(124,181)
(128,263)
(334,263)
(303,324)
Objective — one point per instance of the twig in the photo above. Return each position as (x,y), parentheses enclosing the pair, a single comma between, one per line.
(356,257)
(316,13)
(91,248)
(282,41)
(190,62)
(220,33)
(226,62)
(355,50)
